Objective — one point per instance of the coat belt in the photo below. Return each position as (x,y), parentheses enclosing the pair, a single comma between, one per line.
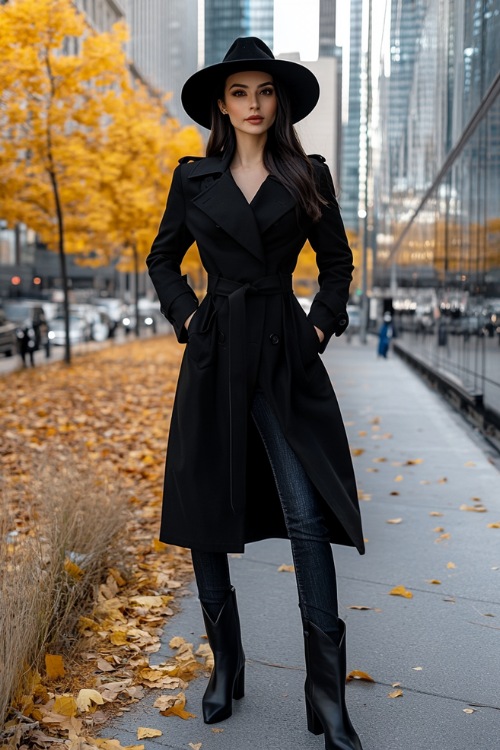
(236,294)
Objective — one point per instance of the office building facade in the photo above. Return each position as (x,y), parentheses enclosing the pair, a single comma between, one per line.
(442,207)
(351,138)
(225,20)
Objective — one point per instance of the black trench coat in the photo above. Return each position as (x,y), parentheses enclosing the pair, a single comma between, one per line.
(250,331)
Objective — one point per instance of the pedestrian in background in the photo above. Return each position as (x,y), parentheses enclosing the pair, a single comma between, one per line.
(257,446)
(385,335)
(28,341)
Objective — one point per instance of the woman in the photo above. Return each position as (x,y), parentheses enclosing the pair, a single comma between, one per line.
(257,446)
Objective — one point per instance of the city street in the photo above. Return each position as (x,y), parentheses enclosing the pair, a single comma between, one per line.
(431,510)
(11,364)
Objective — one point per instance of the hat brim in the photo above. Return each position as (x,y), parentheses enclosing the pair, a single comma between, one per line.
(199,90)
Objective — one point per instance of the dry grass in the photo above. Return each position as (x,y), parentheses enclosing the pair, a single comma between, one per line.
(49,577)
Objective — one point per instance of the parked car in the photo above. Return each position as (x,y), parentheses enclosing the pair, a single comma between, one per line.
(99,324)
(8,338)
(78,330)
(29,314)
(113,307)
(148,319)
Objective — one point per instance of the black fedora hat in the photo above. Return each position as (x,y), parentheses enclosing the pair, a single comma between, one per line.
(249,53)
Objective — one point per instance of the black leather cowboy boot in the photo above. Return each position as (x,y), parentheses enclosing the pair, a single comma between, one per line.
(227,680)
(325,689)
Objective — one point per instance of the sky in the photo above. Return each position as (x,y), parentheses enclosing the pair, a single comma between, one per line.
(296,26)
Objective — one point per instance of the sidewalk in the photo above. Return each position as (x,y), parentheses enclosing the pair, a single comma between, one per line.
(416,459)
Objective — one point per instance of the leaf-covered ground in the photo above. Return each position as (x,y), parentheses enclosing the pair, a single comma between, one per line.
(109,412)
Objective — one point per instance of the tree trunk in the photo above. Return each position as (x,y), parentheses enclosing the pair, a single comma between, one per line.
(64,273)
(136,291)
(60,224)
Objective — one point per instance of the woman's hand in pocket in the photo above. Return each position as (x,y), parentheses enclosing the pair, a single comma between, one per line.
(320,333)
(188,320)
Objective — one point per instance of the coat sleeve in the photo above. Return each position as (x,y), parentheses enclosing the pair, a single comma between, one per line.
(334,259)
(177,299)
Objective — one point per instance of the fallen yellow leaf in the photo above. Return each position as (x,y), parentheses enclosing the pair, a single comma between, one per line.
(414,461)
(286,569)
(54,666)
(417,669)
(73,570)
(177,708)
(469,710)
(469,463)
(357,674)
(434,580)
(442,537)
(401,591)
(399,478)
(435,513)
(145,732)
(494,525)
(473,508)
(394,520)
(65,705)
(451,565)
(358,606)
(438,529)
(118,638)
(443,480)
(357,451)
(195,745)
(87,697)
(394,493)
(106,744)
(396,694)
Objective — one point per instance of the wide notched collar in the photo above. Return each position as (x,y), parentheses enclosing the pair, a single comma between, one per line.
(221,199)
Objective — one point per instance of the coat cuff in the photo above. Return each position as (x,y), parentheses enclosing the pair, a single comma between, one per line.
(327,321)
(178,312)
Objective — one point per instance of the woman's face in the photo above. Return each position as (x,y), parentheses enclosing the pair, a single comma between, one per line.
(250,101)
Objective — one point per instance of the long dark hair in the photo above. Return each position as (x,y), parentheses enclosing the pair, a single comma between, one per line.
(284,156)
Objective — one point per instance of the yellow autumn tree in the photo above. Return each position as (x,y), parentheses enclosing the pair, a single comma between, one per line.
(54,109)
(141,148)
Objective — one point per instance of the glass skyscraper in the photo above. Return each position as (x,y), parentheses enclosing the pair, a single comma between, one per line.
(349,185)
(225,20)
(440,181)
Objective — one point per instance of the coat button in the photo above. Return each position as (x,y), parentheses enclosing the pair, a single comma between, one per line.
(274,339)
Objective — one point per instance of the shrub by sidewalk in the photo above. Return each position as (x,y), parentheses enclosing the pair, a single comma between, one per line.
(50,575)
(82,457)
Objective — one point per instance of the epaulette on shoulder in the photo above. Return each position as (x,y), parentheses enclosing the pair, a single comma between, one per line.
(318,157)
(186,159)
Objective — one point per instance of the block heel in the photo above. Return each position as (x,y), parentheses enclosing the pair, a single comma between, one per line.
(239,685)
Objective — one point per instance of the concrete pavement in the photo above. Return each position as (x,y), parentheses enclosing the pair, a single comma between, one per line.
(414,459)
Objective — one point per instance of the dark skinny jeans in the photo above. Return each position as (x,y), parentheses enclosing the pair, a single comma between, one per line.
(311,549)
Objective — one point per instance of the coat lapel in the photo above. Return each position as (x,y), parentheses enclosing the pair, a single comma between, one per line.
(271,202)
(222,200)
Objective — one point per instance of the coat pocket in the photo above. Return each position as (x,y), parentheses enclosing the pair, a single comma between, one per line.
(201,345)
(309,342)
